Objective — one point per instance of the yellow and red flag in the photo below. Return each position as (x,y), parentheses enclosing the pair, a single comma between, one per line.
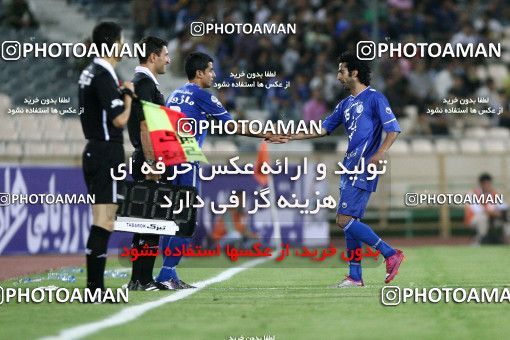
(171,146)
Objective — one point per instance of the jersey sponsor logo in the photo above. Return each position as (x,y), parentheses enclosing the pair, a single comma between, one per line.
(388,110)
(181,100)
(116,102)
(351,154)
(358,107)
(216,101)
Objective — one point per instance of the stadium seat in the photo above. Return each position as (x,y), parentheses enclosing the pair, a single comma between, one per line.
(498,132)
(59,149)
(5,102)
(30,127)
(470,146)
(411,111)
(77,147)
(73,129)
(406,125)
(53,129)
(446,145)
(399,147)
(8,124)
(13,150)
(422,146)
(35,149)
(475,132)
(498,145)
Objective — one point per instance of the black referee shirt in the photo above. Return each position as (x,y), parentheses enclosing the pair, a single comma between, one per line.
(146,89)
(101,100)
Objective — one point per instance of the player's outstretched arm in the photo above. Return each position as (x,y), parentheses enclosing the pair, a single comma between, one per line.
(268,137)
(279,139)
(385,146)
(303,135)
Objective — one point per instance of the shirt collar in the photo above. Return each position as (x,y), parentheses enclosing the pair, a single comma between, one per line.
(361,92)
(108,67)
(145,70)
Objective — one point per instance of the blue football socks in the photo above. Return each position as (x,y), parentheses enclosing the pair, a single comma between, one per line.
(354,265)
(361,231)
(168,271)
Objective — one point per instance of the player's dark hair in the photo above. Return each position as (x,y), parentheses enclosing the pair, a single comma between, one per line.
(196,61)
(106,33)
(353,63)
(485,177)
(152,45)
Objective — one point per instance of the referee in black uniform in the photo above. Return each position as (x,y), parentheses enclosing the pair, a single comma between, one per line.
(106,109)
(153,63)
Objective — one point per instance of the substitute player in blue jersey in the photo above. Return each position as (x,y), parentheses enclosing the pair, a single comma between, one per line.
(198,104)
(365,114)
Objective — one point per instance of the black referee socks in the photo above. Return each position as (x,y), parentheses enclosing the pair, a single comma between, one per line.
(97,246)
(135,271)
(143,265)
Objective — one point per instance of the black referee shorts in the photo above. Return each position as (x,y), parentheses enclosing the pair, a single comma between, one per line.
(97,160)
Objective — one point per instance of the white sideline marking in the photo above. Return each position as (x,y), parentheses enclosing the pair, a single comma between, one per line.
(131,313)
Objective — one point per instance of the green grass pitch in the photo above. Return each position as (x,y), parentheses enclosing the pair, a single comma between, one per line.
(293,303)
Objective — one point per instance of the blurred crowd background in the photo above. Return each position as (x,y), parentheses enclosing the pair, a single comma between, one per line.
(308,59)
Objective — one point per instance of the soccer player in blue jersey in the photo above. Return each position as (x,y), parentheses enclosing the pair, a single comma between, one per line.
(193,100)
(365,114)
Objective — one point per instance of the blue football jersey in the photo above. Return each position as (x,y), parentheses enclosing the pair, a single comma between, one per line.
(364,117)
(198,104)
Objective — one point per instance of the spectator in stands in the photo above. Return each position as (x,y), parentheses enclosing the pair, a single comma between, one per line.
(420,82)
(167,11)
(279,100)
(314,108)
(443,80)
(397,90)
(487,219)
(141,16)
(326,81)
(466,36)
(490,91)
(19,15)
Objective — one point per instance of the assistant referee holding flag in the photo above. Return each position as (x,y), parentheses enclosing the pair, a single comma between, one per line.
(152,64)
(106,108)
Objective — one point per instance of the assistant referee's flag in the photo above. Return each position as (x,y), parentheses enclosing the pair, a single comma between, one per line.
(171,146)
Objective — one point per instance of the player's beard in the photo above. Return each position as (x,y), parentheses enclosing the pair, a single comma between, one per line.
(345,85)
